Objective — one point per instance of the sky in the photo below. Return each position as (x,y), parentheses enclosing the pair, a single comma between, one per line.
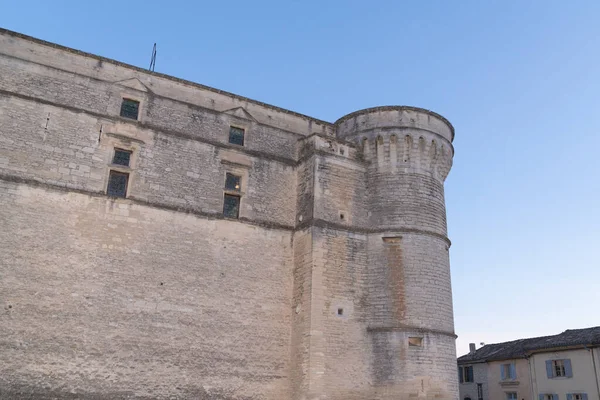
(519,80)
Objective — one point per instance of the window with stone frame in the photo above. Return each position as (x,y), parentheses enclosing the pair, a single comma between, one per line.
(117,184)
(231,206)
(236,135)
(118,177)
(122,157)
(232,182)
(232,195)
(130,109)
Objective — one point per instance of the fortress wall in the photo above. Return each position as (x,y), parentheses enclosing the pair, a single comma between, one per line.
(52,56)
(338,261)
(109,299)
(167,170)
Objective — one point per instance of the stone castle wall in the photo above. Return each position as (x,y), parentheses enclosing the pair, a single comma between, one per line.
(338,257)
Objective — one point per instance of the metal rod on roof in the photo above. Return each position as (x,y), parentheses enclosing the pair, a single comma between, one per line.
(153,59)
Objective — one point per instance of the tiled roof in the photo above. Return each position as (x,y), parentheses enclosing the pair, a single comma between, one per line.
(520,348)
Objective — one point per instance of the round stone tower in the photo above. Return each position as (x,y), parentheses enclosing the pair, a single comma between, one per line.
(409,315)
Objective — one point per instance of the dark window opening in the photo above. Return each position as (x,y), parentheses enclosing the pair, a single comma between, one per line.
(340,311)
(117,184)
(232,182)
(465,374)
(342,216)
(130,109)
(122,157)
(231,206)
(236,135)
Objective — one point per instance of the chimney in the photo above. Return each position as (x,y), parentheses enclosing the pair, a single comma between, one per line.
(472,348)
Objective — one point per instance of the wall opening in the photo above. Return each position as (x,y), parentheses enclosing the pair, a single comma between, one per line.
(236,135)
(130,109)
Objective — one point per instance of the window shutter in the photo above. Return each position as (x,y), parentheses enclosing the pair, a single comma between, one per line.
(549,369)
(554,397)
(541,397)
(568,369)
(460,374)
(569,396)
(584,396)
(502,372)
(513,372)
(470,374)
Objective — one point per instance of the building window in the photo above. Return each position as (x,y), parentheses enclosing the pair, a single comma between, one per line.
(236,135)
(508,372)
(465,374)
(130,109)
(232,196)
(415,342)
(511,396)
(559,368)
(548,396)
(231,206)
(117,184)
(122,157)
(577,396)
(232,182)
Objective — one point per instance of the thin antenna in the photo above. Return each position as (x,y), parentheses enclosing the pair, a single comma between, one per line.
(153,59)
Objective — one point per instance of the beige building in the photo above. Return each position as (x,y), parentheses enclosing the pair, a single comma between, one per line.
(560,367)
(509,379)
(569,374)
(160,239)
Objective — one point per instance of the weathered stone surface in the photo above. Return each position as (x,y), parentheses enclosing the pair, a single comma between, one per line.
(338,257)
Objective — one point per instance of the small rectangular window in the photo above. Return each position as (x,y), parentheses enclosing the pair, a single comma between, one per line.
(465,374)
(231,206)
(415,342)
(130,109)
(117,184)
(122,157)
(559,367)
(508,372)
(511,396)
(236,135)
(232,182)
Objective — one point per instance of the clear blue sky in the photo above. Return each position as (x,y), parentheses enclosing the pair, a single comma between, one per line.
(520,81)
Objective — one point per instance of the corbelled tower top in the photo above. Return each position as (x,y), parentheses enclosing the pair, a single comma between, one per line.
(401,138)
